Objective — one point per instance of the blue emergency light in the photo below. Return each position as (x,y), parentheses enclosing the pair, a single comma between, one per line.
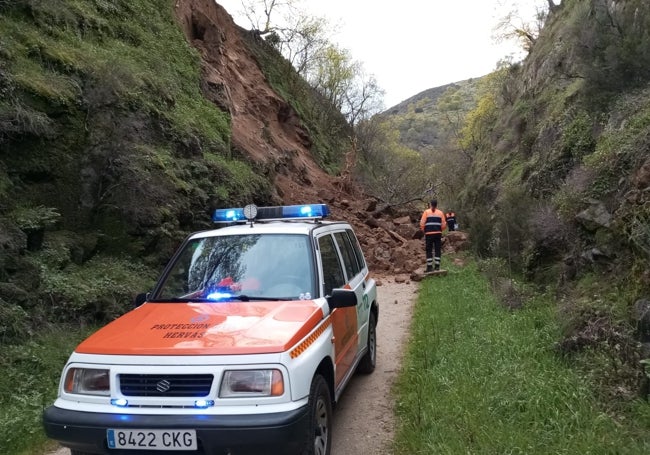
(305,211)
(121,402)
(203,404)
(281,212)
(228,215)
(219,296)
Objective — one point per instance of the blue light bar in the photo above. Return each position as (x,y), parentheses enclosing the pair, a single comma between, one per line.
(305,211)
(219,296)
(228,215)
(282,212)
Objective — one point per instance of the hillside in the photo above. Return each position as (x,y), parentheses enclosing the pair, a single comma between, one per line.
(124,125)
(429,120)
(550,173)
(561,153)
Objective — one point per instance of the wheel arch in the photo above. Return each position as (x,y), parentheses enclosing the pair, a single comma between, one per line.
(374,308)
(326,370)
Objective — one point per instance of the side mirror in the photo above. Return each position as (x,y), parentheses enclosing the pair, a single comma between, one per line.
(140,299)
(342,298)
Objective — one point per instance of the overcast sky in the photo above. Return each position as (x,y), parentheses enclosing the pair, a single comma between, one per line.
(413,45)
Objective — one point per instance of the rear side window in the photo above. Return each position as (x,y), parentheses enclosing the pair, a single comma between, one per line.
(357,249)
(332,272)
(350,261)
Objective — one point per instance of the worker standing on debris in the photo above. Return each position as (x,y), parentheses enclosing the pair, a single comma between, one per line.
(451,220)
(432,223)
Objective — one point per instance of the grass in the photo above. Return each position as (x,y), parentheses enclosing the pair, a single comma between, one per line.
(477,379)
(480,379)
(28,384)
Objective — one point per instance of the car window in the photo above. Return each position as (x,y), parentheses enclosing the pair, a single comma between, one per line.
(269,265)
(357,249)
(332,272)
(347,254)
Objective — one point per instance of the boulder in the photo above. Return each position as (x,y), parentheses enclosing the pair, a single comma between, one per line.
(595,216)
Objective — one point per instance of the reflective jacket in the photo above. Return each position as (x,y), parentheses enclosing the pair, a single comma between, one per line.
(451,219)
(433,222)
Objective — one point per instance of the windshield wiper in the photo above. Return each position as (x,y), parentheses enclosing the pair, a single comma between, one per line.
(247,298)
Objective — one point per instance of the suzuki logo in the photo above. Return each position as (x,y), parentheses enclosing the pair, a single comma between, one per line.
(163,386)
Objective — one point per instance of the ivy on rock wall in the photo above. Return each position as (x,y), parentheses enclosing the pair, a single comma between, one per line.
(569,134)
(109,153)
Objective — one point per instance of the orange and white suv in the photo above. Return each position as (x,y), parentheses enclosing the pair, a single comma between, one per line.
(243,346)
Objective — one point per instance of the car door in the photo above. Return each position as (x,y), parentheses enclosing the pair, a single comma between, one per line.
(356,273)
(344,320)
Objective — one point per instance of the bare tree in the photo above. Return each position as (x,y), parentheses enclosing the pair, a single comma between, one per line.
(259,13)
(363,99)
(513,26)
(391,172)
(303,40)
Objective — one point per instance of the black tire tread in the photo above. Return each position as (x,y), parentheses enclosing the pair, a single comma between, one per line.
(318,386)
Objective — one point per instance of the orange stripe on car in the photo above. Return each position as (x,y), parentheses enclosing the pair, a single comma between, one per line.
(302,347)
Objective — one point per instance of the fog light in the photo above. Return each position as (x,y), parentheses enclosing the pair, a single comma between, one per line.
(121,402)
(202,404)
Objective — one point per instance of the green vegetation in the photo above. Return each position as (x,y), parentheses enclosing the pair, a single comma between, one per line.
(384,162)
(109,154)
(480,378)
(29,381)
(131,51)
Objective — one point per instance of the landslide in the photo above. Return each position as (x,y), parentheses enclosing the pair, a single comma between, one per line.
(124,124)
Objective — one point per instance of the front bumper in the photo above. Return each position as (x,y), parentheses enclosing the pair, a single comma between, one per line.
(275,433)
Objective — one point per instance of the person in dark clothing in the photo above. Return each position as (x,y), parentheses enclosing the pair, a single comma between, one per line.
(451,220)
(432,223)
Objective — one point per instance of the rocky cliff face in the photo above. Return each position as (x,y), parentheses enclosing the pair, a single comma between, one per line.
(267,130)
(115,146)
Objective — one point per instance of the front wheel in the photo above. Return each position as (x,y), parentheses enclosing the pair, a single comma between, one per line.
(319,436)
(369,360)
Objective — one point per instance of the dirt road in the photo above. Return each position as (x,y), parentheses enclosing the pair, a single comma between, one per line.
(363,419)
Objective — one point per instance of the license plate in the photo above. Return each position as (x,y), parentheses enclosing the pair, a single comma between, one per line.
(135,439)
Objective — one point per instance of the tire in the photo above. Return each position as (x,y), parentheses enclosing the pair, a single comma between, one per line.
(369,360)
(76,452)
(319,435)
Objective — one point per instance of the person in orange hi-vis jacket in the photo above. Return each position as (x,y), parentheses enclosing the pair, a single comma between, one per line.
(432,223)
(450,216)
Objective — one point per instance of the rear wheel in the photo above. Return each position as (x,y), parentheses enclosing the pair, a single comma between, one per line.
(369,360)
(319,436)
(77,452)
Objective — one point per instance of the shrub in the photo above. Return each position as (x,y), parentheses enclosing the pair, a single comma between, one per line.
(99,291)
(13,322)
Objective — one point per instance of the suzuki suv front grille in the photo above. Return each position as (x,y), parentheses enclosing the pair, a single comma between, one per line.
(165,385)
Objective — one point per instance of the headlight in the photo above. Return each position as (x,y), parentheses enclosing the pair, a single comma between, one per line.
(251,383)
(87,381)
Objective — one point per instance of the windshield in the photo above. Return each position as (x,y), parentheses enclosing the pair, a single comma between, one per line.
(249,266)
